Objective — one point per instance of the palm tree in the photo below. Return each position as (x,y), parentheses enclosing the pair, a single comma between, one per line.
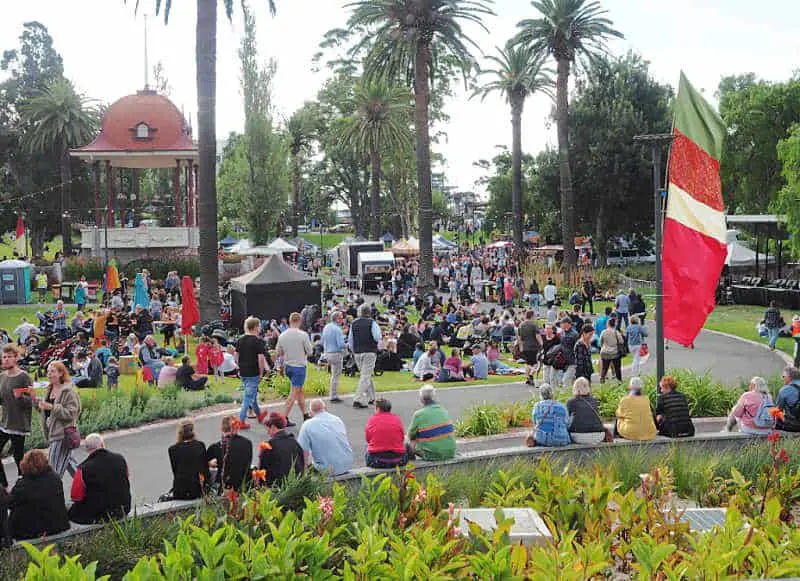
(59,118)
(300,132)
(407,38)
(380,122)
(567,29)
(206,63)
(519,74)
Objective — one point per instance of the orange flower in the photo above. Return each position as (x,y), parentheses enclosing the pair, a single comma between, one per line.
(202,478)
(265,446)
(259,476)
(232,495)
(773,437)
(783,456)
(776,413)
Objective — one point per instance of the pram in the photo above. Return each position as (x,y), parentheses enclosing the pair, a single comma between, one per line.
(37,362)
(350,369)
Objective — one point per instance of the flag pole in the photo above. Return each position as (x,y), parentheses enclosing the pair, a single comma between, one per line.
(656,143)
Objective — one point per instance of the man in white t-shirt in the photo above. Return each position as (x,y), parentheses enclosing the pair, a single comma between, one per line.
(294,347)
(549,292)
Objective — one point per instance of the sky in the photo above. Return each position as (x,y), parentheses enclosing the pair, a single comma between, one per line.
(102,43)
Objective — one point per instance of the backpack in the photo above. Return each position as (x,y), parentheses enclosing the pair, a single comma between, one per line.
(762,417)
(555,358)
(794,411)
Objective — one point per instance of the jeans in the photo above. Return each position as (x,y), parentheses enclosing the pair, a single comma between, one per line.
(623,317)
(385,460)
(636,352)
(590,302)
(18,449)
(198,384)
(366,388)
(772,333)
(250,399)
(335,364)
(616,363)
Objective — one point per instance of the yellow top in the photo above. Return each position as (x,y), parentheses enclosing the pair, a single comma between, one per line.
(41,280)
(635,418)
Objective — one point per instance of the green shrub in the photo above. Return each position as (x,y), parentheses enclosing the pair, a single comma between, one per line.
(481,419)
(77,266)
(159,267)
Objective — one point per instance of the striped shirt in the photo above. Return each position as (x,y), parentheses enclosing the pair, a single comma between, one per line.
(433,433)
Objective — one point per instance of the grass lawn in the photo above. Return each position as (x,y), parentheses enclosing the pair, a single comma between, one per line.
(741,320)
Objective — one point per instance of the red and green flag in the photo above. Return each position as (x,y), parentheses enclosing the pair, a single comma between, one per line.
(694,246)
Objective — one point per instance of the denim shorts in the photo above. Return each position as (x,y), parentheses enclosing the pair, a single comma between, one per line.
(296,375)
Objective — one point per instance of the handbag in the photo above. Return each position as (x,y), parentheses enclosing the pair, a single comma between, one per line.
(643,350)
(608,437)
(72,437)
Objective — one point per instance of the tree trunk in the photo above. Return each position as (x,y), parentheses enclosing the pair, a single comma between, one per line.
(567,202)
(421,98)
(37,232)
(206,55)
(295,194)
(375,198)
(66,229)
(516,173)
(600,235)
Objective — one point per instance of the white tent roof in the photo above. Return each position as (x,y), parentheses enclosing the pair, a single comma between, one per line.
(740,255)
(259,251)
(281,245)
(376,257)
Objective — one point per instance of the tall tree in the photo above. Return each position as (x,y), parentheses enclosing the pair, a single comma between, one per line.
(59,118)
(380,123)
(789,198)
(408,37)
(519,74)
(567,30)
(301,131)
(206,63)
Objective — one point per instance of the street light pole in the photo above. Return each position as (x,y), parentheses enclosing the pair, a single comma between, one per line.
(656,142)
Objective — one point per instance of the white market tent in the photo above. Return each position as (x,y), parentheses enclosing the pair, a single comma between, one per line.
(282,246)
(740,255)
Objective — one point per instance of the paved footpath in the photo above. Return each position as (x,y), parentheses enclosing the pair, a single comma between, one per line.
(729,360)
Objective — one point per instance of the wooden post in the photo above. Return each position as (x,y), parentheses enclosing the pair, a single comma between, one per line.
(96,168)
(190,194)
(177,187)
(110,194)
(136,200)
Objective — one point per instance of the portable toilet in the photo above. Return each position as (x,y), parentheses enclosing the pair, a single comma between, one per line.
(15,282)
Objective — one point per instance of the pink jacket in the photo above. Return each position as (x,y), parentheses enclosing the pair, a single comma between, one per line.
(745,410)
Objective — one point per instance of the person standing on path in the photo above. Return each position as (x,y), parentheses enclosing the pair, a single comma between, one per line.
(365,334)
(623,304)
(583,354)
(549,291)
(17,402)
(59,410)
(334,346)
(773,321)
(569,337)
(611,345)
(531,341)
(635,334)
(294,347)
(251,357)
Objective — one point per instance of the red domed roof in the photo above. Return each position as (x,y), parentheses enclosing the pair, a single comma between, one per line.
(138,125)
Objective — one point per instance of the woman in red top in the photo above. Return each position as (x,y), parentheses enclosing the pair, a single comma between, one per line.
(216,357)
(203,354)
(385,437)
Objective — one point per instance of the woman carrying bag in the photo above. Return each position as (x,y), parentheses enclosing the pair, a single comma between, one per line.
(612,348)
(60,409)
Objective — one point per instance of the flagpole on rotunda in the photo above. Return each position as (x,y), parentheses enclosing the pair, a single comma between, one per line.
(656,142)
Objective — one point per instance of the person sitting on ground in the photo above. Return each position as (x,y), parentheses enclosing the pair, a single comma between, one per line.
(385,437)
(229,366)
(24,330)
(231,456)
(431,434)
(427,367)
(186,378)
(789,400)
(585,425)
(634,416)
(76,324)
(101,489)
(479,364)
(747,411)
(324,439)
(672,411)
(282,455)
(169,373)
(36,503)
(549,421)
(189,465)
(454,367)
(419,351)
(91,370)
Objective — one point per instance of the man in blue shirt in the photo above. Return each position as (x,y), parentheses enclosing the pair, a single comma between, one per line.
(788,398)
(479,363)
(623,304)
(324,438)
(334,346)
(60,320)
(600,325)
(365,334)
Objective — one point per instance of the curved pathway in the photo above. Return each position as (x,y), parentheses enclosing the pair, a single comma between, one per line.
(729,359)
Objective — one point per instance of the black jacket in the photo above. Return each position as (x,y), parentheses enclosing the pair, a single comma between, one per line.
(188,461)
(107,488)
(233,455)
(37,506)
(677,422)
(285,455)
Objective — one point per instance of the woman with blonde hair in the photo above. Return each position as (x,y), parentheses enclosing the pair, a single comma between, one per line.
(189,465)
(585,425)
(60,409)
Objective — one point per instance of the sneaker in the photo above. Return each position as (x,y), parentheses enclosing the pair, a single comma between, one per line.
(335,400)
(261,417)
(359,405)
(290,424)
(244,426)
(372,402)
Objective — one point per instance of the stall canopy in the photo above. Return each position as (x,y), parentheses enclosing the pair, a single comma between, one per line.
(272,291)
(408,247)
(442,243)
(228,241)
(305,245)
(259,251)
(281,245)
(387,237)
(739,255)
